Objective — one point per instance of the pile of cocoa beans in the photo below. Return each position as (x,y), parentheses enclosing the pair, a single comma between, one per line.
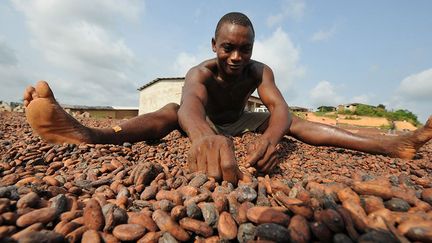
(144,192)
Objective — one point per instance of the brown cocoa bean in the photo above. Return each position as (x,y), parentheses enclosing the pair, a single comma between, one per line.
(93,216)
(76,235)
(262,214)
(196,226)
(226,226)
(128,232)
(31,200)
(43,215)
(165,223)
(151,237)
(143,220)
(31,228)
(298,229)
(91,236)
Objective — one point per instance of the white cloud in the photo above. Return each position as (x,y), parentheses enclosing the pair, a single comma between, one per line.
(414,93)
(324,93)
(417,87)
(80,42)
(7,54)
(12,76)
(279,52)
(293,9)
(364,99)
(183,63)
(323,35)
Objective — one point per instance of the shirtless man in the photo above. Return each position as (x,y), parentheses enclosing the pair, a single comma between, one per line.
(213,100)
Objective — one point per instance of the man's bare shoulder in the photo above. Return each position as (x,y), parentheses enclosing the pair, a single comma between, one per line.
(256,69)
(202,71)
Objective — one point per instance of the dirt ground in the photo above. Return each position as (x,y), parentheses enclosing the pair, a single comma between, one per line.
(367,124)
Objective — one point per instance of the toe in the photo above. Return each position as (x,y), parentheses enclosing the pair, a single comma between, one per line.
(429,122)
(28,93)
(43,90)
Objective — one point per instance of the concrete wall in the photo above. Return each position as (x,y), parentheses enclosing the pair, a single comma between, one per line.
(159,94)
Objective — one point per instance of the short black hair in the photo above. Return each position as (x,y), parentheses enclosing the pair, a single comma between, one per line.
(235,18)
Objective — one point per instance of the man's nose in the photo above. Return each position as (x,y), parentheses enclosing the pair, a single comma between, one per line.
(235,56)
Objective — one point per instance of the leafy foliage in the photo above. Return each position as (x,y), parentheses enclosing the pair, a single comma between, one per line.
(380,111)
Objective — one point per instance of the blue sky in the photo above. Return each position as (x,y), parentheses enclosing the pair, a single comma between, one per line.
(322,52)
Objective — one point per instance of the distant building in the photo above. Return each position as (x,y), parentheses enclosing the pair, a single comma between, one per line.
(326,108)
(161,91)
(111,112)
(351,107)
(4,106)
(261,109)
(12,106)
(298,109)
(255,104)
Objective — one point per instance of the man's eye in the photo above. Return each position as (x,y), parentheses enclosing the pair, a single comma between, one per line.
(228,49)
(246,49)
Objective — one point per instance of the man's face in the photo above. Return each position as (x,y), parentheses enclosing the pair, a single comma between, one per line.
(233,47)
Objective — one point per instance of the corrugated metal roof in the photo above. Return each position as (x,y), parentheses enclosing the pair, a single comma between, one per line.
(160,79)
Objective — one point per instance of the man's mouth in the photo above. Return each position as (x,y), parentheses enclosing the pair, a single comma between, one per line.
(234,67)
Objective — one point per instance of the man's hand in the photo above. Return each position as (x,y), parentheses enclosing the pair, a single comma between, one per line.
(214,155)
(262,155)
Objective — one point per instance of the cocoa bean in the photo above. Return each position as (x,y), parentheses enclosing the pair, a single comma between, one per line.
(128,232)
(31,200)
(272,232)
(226,226)
(76,235)
(196,226)
(93,216)
(91,236)
(261,215)
(143,220)
(31,228)
(41,236)
(151,237)
(165,223)
(43,215)
(298,229)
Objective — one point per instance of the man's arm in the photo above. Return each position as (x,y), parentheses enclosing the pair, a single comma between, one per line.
(280,118)
(210,153)
(262,153)
(191,115)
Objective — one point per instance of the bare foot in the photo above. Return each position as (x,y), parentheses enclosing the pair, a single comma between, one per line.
(407,145)
(49,120)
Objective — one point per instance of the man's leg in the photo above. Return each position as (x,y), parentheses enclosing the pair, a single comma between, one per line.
(403,146)
(54,125)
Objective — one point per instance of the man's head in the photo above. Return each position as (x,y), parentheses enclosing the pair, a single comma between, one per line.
(234,18)
(233,43)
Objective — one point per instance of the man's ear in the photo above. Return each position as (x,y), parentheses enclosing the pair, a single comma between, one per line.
(213,41)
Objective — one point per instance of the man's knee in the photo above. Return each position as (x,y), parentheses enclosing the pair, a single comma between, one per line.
(171,107)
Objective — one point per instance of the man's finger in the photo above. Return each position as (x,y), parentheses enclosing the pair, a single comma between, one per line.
(201,161)
(192,162)
(270,164)
(213,166)
(252,159)
(265,159)
(228,164)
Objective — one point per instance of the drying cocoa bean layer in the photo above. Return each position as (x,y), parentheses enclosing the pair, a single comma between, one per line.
(144,192)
